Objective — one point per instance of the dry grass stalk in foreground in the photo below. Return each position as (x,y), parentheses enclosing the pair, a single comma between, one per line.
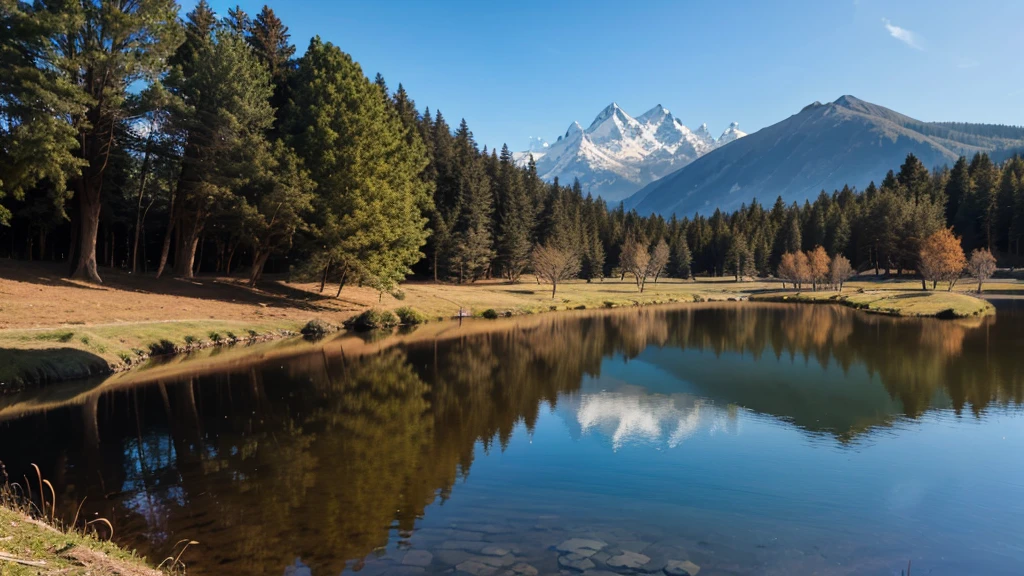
(33,540)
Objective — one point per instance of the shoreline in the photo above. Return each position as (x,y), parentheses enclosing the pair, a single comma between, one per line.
(930,304)
(34,366)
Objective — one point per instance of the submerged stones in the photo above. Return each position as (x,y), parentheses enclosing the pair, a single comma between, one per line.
(478,549)
(628,559)
(592,557)
(575,562)
(581,546)
(681,568)
(417,558)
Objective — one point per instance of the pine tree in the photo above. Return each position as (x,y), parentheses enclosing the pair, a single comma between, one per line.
(35,142)
(958,188)
(270,39)
(238,21)
(370,197)
(681,259)
(514,219)
(473,252)
(101,48)
(225,91)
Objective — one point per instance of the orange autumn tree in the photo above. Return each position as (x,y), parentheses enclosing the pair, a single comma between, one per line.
(818,264)
(941,259)
(787,269)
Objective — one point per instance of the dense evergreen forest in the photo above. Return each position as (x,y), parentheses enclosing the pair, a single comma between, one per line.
(134,139)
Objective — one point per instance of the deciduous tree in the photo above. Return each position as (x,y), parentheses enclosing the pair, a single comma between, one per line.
(982,266)
(839,271)
(817,266)
(555,264)
(941,258)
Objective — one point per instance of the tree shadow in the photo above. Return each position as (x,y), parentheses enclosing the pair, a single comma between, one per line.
(271,292)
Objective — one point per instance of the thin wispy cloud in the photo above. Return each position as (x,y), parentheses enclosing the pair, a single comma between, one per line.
(967,63)
(903,35)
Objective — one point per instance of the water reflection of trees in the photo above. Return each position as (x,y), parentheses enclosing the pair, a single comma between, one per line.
(318,455)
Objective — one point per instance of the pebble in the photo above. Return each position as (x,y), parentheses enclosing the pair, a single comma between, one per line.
(575,562)
(582,546)
(681,568)
(417,558)
(628,560)
(476,568)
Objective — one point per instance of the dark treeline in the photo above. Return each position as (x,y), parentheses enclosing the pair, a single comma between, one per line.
(133,138)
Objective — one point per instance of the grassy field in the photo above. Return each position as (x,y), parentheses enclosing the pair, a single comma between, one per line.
(52,328)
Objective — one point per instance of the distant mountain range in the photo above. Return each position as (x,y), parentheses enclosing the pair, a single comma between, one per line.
(822,147)
(618,154)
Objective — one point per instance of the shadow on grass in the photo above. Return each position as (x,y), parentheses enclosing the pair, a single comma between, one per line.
(271,292)
(21,369)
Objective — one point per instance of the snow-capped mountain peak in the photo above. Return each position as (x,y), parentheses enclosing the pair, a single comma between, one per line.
(618,154)
(655,115)
(731,133)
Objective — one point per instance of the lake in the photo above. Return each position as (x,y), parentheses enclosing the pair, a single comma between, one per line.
(737,439)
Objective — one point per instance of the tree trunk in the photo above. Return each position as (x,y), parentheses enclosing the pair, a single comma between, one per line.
(199,260)
(231,256)
(554,286)
(979,286)
(188,241)
(327,268)
(341,284)
(89,225)
(142,191)
(258,261)
(166,249)
(42,243)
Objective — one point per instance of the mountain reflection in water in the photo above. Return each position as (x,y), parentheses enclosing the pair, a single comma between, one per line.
(349,447)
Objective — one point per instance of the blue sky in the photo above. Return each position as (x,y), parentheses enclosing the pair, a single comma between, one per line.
(529,68)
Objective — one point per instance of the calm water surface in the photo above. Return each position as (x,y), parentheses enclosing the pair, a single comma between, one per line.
(745,439)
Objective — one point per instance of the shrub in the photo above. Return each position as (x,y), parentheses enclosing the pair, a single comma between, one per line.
(252,333)
(490,314)
(161,347)
(398,295)
(125,357)
(508,314)
(231,335)
(373,319)
(215,337)
(609,304)
(410,316)
(85,340)
(317,328)
(581,307)
(190,340)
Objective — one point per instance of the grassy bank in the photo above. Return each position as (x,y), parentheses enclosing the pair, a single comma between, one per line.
(30,547)
(893,303)
(35,356)
(52,328)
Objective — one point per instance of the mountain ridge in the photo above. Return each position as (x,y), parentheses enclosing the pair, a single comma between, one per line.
(822,147)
